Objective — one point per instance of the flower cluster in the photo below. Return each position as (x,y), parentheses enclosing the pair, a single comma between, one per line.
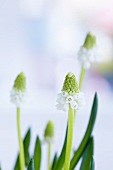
(89,52)
(18,92)
(70,94)
(86,57)
(64,99)
(17,97)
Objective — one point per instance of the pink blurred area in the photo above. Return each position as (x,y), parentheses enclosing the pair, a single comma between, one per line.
(42,39)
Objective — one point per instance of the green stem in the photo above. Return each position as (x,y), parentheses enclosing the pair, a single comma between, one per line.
(81,77)
(74,114)
(49,155)
(21,155)
(69,138)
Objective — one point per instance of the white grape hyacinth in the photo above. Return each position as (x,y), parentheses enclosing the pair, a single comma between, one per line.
(18,92)
(76,101)
(89,56)
(89,52)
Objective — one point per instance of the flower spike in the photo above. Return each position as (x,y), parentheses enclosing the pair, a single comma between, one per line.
(70,84)
(49,137)
(90,41)
(89,52)
(49,132)
(17,97)
(18,92)
(70,99)
(20,82)
(70,94)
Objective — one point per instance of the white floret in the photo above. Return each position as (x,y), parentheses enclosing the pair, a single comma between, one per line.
(76,101)
(17,97)
(88,56)
(48,139)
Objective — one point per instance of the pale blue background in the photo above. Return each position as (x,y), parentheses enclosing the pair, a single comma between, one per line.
(42,38)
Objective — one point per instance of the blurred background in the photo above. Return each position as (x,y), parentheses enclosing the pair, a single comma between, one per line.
(42,38)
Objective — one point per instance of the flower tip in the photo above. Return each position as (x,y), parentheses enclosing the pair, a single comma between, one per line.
(70,84)
(70,74)
(91,33)
(90,40)
(20,82)
(49,131)
(22,74)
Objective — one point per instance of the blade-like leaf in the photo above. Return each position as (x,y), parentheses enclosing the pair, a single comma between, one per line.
(37,154)
(31,165)
(87,135)
(54,162)
(60,162)
(87,156)
(26,143)
(92,164)
(17,164)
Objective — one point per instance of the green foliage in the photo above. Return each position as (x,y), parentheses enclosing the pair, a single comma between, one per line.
(87,135)
(60,162)
(26,143)
(87,156)
(17,164)
(37,154)
(92,164)
(79,152)
(31,165)
(84,150)
(54,162)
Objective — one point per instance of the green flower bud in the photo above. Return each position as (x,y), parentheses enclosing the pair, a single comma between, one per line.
(20,82)
(90,41)
(49,130)
(70,84)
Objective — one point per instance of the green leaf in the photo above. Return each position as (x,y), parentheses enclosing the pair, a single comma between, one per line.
(17,164)
(92,164)
(37,154)
(26,143)
(87,156)
(54,162)
(0,167)
(87,135)
(31,165)
(60,162)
